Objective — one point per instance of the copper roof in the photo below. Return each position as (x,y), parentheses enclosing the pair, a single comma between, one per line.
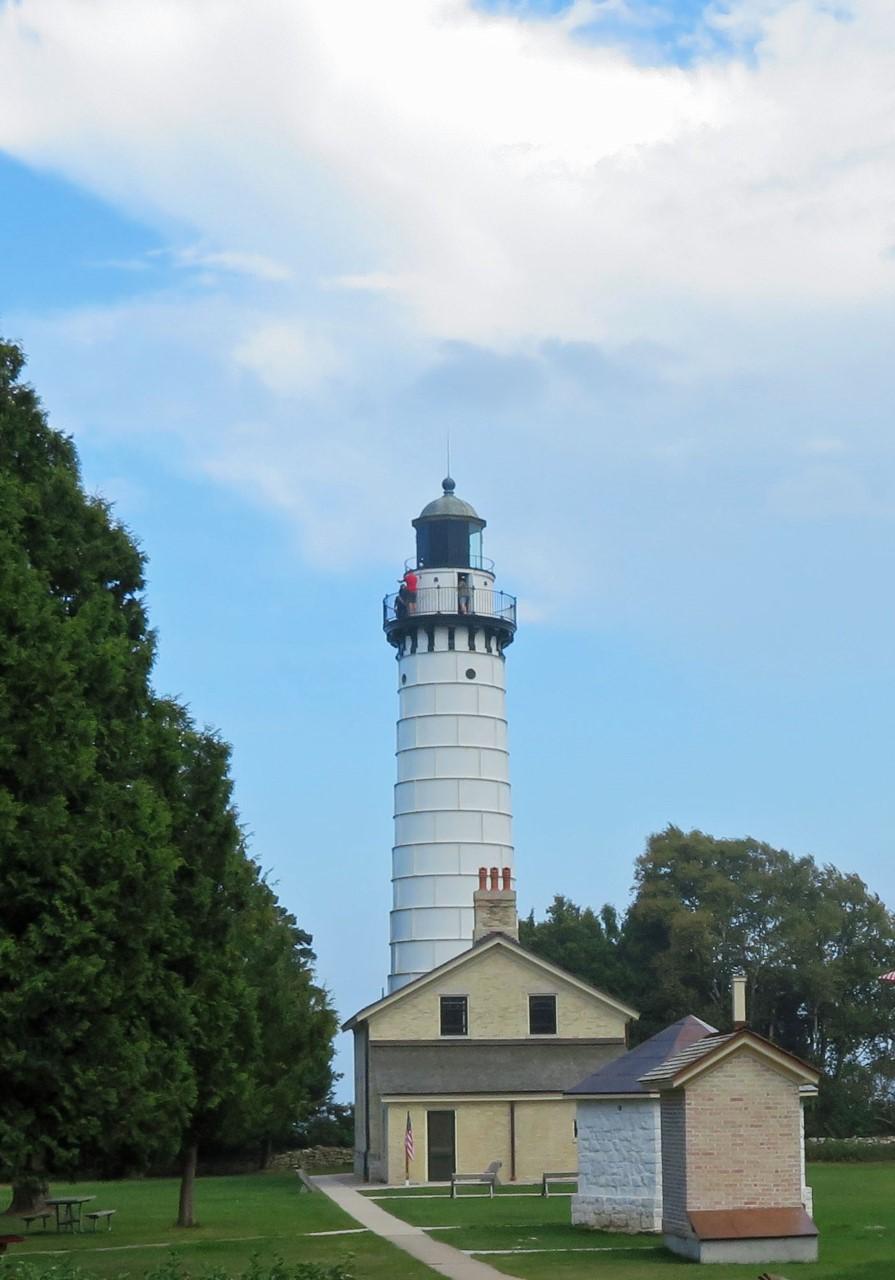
(750,1224)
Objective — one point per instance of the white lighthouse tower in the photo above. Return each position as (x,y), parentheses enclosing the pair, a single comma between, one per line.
(452,796)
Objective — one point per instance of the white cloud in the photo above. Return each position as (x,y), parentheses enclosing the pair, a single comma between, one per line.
(514,179)
(255,265)
(642,291)
(286,357)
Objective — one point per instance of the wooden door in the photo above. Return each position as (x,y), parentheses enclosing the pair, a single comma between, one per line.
(441,1145)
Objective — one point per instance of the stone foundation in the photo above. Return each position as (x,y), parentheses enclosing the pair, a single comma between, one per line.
(612,1213)
(770,1249)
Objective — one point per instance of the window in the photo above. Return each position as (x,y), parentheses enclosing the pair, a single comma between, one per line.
(453,1015)
(542,1015)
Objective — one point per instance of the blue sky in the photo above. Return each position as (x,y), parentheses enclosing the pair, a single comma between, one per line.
(636,259)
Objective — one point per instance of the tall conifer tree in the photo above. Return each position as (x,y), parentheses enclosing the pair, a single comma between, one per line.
(88,1045)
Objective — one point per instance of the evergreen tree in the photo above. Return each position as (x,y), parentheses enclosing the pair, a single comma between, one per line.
(215,880)
(260,1031)
(153,993)
(88,1060)
(297,1025)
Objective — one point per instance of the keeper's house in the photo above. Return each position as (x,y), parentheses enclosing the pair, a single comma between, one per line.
(479,1052)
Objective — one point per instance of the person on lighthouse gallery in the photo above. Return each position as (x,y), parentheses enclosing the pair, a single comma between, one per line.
(410,582)
(463,593)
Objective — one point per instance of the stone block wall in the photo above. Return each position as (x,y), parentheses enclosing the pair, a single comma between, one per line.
(619,1165)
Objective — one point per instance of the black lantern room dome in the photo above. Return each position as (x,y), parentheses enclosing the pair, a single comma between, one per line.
(450,506)
(449,533)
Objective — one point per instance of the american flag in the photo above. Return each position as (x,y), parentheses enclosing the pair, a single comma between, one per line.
(408,1139)
(887,977)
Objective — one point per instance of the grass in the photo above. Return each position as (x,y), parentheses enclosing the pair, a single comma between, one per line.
(473,1191)
(854,1209)
(264,1215)
(240,1217)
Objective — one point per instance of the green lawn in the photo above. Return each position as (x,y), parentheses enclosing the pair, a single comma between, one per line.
(264,1215)
(261,1214)
(854,1209)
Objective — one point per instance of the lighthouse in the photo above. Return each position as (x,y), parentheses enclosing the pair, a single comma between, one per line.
(452,795)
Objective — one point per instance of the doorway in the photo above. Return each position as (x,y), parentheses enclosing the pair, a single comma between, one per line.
(441,1145)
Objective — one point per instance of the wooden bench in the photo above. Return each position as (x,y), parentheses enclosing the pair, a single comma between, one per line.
(304,1182)
(43,1215)
(95,1215)
(556,1177)
(6,1241)
(487,1179)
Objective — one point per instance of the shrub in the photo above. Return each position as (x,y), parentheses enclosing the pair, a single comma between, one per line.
(173,1269)
(849,1150)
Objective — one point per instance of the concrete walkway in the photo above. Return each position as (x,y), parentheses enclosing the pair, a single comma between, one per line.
(341,1187)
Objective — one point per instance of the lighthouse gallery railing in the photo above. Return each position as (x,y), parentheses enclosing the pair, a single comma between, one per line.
(431,601)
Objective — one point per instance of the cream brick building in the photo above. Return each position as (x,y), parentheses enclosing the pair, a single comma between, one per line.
(479,1052)
(733,1162)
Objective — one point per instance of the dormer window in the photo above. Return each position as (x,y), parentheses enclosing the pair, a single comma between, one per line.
(542,1015)
(453,1016)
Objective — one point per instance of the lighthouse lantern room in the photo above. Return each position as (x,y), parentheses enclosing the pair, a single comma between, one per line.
(450,628)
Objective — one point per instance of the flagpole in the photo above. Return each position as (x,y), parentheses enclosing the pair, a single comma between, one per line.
(408,1149)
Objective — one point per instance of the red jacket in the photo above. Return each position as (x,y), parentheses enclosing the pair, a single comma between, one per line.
(410,580)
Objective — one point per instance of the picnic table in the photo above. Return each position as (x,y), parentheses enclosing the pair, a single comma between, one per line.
(68,1211)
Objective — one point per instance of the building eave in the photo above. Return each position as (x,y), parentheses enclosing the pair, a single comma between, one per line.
(463,1042)
(486,1095)
(612,1097)
(786,1062)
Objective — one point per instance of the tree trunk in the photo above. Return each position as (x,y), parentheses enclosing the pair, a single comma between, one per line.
(266,1152)
(29,1190)
(187,1183)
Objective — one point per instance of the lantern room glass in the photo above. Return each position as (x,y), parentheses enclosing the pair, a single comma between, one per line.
(448,544)
(475,549)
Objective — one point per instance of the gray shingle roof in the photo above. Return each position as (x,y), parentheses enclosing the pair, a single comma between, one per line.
(624,1074)
(668,1069)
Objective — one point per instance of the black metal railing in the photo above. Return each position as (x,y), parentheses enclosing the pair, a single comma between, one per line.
(475,562)
(478,602)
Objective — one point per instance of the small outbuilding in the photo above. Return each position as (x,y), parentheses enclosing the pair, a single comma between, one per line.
(733,1151)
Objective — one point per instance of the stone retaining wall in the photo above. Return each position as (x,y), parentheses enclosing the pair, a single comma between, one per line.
(311,1158)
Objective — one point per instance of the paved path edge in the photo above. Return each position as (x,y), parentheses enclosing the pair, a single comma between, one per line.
(342,1189)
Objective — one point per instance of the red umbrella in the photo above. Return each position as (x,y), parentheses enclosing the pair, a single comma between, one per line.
(887,977)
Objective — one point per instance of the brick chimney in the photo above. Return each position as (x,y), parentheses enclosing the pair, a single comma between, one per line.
(739,999)
(495,905)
